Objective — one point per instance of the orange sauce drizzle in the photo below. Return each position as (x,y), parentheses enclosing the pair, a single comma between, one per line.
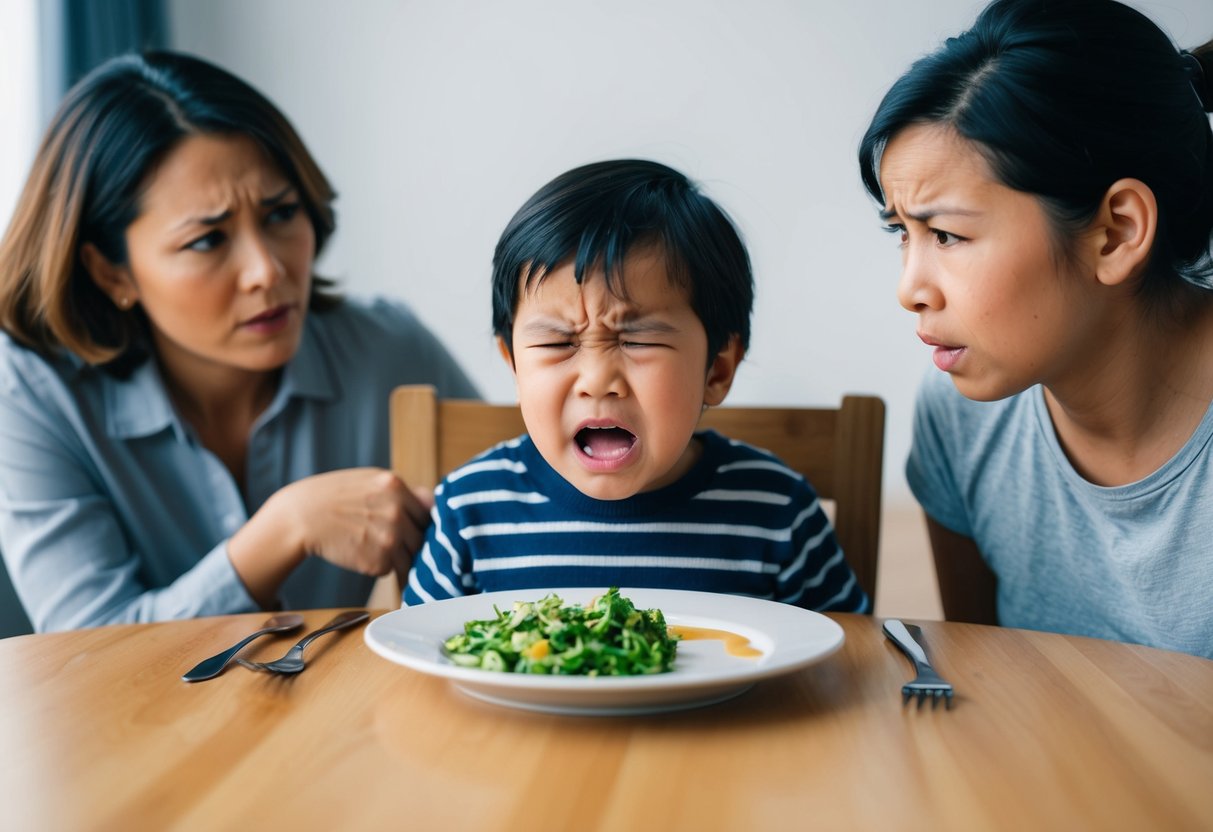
(734,644)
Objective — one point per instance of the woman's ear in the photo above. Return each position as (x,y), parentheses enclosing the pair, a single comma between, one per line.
(114,281)
(722,371)
(1124,231)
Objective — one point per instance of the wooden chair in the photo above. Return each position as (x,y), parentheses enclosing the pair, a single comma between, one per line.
(840,451)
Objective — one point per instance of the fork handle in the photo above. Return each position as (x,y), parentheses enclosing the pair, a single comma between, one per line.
(345,619)
(895,630)
(209,668)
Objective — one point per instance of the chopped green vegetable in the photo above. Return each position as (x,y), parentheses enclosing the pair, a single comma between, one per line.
(610,637)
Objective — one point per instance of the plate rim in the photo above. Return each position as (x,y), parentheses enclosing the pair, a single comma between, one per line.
(623,685)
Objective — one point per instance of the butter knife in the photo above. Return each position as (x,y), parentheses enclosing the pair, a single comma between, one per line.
(212,667)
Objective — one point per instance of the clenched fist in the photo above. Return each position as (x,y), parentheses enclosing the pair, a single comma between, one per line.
(363,519)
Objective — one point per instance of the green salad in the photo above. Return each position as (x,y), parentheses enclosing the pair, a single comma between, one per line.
(610,637)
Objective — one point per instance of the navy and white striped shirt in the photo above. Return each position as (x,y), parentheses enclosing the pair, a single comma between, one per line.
(739,522)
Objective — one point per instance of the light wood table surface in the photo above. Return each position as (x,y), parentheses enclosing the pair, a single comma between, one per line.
(1047,732)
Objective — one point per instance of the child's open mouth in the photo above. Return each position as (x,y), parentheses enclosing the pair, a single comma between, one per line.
(605,443)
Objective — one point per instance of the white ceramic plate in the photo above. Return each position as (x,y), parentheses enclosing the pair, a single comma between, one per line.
(704,673)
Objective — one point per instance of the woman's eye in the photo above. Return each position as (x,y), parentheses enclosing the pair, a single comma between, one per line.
(944,238)
(207,242)
(283,213)
(899,230)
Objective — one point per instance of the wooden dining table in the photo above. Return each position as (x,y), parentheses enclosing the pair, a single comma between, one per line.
(1046,731)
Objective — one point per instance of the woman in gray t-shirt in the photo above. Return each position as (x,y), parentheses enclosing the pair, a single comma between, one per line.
(1050,176)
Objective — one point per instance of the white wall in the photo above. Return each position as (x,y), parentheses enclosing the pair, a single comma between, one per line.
(436,119)
(19,87)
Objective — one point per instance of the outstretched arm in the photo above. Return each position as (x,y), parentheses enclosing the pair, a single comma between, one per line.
(75,562)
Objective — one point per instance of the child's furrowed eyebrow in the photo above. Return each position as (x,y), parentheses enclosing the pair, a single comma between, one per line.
(553,328)
(547,327)
(655,325)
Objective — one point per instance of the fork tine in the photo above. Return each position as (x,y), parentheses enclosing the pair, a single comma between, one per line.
(927,682)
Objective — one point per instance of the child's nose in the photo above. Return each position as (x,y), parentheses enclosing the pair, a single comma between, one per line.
(600,374)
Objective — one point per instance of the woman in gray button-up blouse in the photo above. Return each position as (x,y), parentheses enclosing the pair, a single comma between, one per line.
(191,422)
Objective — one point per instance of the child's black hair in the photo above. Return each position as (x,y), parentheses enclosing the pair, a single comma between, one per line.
(595,214)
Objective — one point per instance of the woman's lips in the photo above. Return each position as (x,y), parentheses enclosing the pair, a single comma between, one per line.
(945,356)
(269,321)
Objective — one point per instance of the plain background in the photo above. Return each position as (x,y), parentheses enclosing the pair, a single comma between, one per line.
(435,120)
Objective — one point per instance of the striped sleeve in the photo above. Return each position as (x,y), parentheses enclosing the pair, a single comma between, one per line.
(442,569)
(818,576)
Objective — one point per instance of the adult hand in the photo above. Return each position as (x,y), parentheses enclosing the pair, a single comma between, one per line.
(363,519)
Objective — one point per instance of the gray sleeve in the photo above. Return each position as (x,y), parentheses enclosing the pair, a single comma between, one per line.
(64,547)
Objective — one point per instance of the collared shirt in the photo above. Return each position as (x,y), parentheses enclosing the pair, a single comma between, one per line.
(112,511)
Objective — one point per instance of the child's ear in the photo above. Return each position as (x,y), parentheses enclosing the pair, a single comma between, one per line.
(503,347)
(722,371)
(115,281)
(1123,231)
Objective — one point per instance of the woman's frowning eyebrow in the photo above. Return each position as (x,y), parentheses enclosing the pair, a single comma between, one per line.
(929,213)
(278,197)
(215,219)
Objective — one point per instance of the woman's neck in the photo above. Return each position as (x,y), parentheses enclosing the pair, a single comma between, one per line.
(1125,413)
(220,403)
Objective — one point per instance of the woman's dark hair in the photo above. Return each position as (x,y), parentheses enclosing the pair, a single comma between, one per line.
(109,133)
(1063,98)
(595,214)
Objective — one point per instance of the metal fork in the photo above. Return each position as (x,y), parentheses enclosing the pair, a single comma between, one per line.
(927,683)
(292,662)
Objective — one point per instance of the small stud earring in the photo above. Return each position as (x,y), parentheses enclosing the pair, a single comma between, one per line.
(125,303)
